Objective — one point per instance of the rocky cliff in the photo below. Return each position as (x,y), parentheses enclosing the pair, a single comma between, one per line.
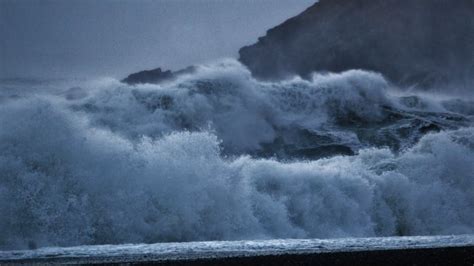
(156,75)
(422,42)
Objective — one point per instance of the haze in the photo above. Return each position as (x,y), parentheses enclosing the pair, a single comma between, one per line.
(53,39)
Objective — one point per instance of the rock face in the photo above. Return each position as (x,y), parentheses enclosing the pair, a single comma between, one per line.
(149,76)
(422,42)
(155,75)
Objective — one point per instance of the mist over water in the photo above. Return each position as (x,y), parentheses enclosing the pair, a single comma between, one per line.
(218,155)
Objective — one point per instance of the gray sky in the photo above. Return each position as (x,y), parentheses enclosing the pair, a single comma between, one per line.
(88,38)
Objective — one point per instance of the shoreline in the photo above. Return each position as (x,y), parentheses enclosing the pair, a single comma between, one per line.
(424,256)
(420,250)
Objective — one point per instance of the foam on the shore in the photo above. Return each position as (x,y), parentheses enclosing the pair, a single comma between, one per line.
(109,164)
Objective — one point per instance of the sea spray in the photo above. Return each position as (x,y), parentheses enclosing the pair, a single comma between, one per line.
(214,156)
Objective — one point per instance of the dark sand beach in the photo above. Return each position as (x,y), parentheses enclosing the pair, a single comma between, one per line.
(439,250)
(425,256)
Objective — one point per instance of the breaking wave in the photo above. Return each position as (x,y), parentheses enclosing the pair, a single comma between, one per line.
(217,155)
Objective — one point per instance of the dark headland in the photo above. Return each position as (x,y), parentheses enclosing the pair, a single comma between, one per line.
(422,42)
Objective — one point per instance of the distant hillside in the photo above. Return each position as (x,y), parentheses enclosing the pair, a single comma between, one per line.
(422,42)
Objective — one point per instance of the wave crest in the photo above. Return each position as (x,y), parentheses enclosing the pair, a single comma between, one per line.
(127,164)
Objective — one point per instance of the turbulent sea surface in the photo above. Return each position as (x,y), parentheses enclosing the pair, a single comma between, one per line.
(218,155)
(191,251)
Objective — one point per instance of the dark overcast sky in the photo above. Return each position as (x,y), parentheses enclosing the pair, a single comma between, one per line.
(88,38)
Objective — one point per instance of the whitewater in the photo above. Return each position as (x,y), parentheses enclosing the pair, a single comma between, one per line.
(218,155)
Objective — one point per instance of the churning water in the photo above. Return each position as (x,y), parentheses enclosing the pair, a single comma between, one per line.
(218,155)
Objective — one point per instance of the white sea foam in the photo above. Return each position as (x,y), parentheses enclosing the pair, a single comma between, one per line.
(112,163)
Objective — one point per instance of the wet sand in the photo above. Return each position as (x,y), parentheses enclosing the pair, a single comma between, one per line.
(423,256)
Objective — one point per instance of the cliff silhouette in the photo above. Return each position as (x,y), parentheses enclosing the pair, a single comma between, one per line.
(413,43)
